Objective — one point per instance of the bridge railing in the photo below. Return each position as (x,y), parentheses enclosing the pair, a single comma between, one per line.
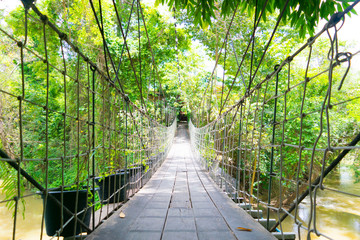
(68,131)
(277,144)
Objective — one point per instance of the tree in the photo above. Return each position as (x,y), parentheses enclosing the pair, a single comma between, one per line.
(77,19)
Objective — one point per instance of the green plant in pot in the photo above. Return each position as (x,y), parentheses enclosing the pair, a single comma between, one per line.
(121,177)
(113,186)
(112,178)
(68,208)
(75,200)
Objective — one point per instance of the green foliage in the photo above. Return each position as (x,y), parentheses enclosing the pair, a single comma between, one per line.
(187,84)
(302,15)
(70,137)
(343,118)
(9,186)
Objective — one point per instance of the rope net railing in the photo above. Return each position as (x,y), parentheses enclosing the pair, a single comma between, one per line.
(291,127)
(68,129)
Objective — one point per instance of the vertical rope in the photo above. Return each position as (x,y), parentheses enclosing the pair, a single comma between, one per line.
(223,80)
(139,42)
(177,50)
(46,108)
(271,171)
(64,136)
(78,141)
(252,40)
(126,140)
(93,160)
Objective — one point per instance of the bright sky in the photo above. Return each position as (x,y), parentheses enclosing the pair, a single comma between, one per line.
(9,4)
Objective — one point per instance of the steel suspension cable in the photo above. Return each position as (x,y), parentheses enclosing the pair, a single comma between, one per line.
(251,40)
(216,62)
(264,52)
(126,45)
(177,50)
(152,53)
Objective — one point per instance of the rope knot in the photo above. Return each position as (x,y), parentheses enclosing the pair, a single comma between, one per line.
(330,150)
(93,67)
(272,174)
(311,40)
(343,57)
(62,36)
(44,18)
(289,59)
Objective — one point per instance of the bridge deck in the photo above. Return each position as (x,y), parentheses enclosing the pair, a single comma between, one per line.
(180,202)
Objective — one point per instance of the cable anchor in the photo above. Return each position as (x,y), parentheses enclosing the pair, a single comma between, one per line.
(335,19)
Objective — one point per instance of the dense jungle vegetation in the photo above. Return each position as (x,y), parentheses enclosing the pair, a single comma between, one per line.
(189,84)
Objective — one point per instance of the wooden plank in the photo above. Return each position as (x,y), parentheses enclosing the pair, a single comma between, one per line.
(180,202)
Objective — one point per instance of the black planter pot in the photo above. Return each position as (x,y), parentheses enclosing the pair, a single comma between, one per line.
(136,177)
(53,212)
(149,164)
(136,172)
(110,184)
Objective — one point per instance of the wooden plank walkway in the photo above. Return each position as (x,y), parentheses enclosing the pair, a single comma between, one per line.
(180,202)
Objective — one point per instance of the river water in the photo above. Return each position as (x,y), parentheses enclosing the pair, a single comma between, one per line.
(27,228)
(338,215)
